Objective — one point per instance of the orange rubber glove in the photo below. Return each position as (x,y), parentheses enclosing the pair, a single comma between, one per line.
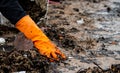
(45,47)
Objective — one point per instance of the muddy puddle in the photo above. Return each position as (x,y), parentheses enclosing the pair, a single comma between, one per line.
(87,31)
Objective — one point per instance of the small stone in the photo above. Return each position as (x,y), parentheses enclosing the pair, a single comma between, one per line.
(70,57)
(80,21)
(2,41)
(20,72)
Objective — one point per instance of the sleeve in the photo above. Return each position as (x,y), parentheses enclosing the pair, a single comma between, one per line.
(12,10)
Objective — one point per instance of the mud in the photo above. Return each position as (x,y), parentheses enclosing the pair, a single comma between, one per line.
(91,26)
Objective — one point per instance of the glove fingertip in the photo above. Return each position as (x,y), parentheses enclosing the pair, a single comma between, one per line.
(51,60)
(55,56)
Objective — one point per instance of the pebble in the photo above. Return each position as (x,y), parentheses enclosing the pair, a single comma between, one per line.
(70,57)
(2,41)
(20,72)
(80,21)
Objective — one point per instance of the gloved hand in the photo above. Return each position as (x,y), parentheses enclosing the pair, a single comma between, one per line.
(50,50)
(45,47)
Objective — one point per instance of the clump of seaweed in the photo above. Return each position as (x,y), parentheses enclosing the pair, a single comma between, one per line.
(23,61)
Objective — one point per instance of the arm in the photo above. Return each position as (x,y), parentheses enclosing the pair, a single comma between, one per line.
(12,10)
